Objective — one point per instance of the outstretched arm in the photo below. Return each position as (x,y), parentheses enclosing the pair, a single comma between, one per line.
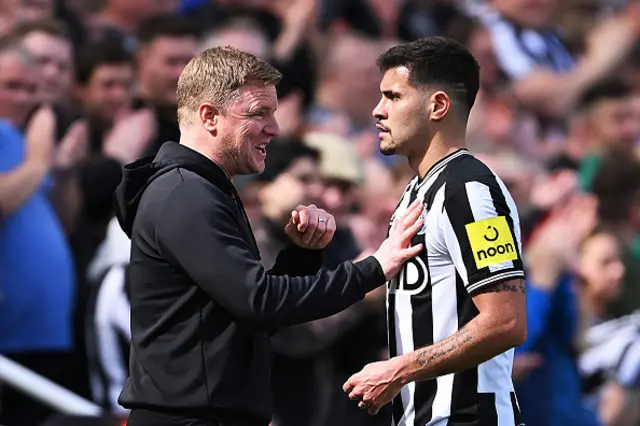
(205,241)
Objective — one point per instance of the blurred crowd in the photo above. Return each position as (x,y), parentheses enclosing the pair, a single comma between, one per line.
(87,86)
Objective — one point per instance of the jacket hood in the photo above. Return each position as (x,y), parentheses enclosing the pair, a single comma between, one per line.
(137,176)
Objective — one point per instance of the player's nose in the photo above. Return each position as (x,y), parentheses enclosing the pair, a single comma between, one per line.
(379,112)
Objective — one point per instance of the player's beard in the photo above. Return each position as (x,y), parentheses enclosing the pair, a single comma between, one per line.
(388,150)
(388,147)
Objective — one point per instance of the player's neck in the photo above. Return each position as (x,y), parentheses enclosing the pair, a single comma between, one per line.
(437,150)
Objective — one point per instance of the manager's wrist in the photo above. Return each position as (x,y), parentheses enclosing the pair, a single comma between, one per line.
(371,268)
(307,257)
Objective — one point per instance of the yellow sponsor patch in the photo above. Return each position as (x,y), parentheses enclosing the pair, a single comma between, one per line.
(491,241)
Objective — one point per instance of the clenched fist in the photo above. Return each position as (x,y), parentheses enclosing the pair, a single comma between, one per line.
(310,227)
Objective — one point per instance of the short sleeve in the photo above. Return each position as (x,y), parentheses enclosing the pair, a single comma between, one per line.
(481,231)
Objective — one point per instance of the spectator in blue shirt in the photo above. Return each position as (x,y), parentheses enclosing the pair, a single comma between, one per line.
(36,266)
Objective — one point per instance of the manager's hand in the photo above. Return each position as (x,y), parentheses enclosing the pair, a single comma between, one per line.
(397,248)
(310,227)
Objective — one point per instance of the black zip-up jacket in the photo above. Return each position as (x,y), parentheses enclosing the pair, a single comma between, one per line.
(202,305)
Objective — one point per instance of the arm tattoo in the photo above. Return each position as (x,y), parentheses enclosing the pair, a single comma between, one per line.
(470,345)
(507,286)
(431,353)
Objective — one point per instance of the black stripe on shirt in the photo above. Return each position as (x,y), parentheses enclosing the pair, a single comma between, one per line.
(458,209)
(464,398)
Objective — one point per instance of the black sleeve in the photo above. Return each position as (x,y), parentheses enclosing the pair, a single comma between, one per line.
(199,234)
(297,261)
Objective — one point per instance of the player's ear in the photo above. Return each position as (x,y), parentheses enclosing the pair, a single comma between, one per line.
(440,104)
(209,117)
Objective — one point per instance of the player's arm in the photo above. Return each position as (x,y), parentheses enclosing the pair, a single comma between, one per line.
(479,229)
(500,325)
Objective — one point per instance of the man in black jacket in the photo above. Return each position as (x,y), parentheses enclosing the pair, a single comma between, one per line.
(202,305)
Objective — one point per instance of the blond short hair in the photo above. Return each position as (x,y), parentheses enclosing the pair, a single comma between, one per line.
(216,75)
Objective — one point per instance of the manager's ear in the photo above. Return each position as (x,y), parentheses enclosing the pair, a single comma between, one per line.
(209,117)
(440,105)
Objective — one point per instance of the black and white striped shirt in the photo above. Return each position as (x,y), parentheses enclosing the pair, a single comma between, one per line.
(612,354)
(472,240)
(520,50)
(109,337)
